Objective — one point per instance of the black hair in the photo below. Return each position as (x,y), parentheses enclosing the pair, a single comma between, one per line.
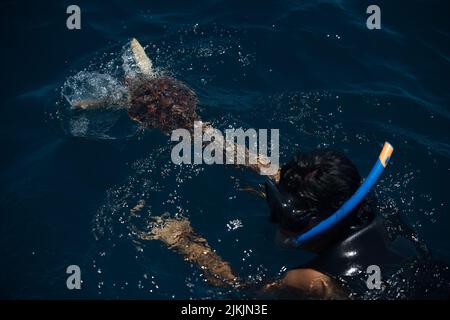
(320,182)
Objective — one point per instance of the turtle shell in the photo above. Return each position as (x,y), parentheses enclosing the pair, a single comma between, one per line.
(162,102)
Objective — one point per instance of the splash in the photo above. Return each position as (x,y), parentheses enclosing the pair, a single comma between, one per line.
(86,85)
(102,81)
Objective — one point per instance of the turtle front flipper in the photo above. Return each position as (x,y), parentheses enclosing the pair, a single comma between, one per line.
(89,103)
(142,63)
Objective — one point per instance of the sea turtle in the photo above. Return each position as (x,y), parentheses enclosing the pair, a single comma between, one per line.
(160,101)
(154,100)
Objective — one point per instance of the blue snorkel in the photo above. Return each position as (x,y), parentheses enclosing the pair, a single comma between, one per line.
(348,206)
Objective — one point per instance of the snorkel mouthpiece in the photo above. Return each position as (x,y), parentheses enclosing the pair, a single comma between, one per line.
(279,202)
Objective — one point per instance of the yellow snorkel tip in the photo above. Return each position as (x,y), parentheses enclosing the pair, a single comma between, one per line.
(386,153)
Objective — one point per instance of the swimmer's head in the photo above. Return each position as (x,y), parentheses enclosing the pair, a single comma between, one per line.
(162,102)
(318,183)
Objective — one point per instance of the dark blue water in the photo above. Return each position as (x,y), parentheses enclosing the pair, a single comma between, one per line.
(310,68)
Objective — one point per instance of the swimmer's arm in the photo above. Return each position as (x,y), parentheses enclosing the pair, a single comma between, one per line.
(261,164)
(178,235)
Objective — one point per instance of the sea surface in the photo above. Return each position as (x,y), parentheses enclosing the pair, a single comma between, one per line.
(309,68)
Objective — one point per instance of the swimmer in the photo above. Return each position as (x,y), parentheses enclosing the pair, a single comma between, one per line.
(159,101)
(321,206)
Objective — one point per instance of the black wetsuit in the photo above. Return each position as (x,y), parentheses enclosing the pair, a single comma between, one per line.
(406,271)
